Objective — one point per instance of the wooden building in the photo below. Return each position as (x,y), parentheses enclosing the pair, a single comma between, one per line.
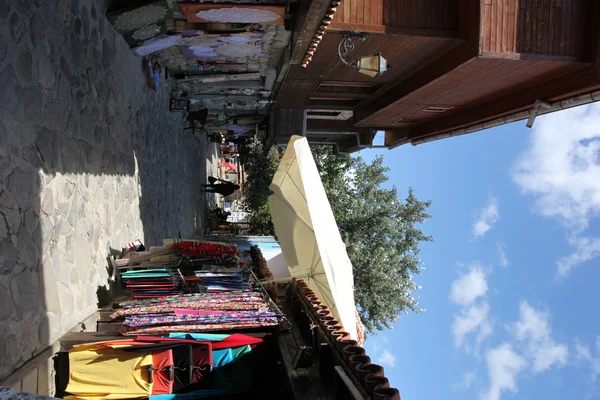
(457,66)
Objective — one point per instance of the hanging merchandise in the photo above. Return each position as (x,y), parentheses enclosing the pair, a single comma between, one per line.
(111,373)
(196,292)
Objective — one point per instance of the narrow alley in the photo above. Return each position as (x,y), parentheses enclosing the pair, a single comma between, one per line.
(90,158)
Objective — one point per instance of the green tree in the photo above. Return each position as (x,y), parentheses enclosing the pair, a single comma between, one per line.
(382,234)
(260,166)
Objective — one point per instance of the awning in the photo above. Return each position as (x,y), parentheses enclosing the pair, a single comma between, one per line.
(308,234)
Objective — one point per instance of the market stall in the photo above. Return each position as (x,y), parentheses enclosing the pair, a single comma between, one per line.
(196,322)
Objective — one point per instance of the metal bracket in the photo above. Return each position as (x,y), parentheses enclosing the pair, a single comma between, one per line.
(535,110)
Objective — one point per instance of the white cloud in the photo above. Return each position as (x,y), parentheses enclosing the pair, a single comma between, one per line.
(466,381)
(545,356)
(471,319)
(387,359)
(584,355)
(466,289)
(534,349)
(502,258)
(486,218)
(586,249)
(560,168)
(533,328)
(582,351)
(562,164)
(532,324)
(503,365)
(485,330)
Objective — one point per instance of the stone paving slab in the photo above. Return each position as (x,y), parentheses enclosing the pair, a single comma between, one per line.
(90,158)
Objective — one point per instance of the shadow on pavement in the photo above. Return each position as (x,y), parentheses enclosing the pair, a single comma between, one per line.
(90,158)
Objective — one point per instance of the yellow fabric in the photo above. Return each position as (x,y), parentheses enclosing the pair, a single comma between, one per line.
(106,373)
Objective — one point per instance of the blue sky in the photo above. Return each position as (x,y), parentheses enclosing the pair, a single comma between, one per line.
(510,285)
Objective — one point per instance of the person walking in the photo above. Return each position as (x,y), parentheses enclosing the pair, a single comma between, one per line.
(225,188)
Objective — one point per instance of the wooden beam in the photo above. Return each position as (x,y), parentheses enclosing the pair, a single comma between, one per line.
(330,124)
(528,56)
(394,30)
(345,379)
(338,95)
(571,83)
(592,39)
(396,136)
(366,112)
(310,16)
(470,23)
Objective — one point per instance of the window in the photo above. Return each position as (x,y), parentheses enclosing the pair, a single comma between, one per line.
(437,109)
(332,102)
(408,120)
(350,88)
(340,115)
(324,113)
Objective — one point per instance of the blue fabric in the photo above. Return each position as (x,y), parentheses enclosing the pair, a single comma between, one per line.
(220,357)
(225,356)
(198,394)
(9,394)
(232,369)
(199,336)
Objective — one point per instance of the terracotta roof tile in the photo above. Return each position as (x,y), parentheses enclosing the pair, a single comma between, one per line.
(318,36)
(371,376)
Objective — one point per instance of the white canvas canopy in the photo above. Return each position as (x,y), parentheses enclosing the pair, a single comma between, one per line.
(308,234)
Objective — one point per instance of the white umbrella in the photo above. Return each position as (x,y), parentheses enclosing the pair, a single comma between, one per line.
(308,234)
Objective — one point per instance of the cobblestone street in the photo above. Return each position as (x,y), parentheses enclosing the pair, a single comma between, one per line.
(90,159)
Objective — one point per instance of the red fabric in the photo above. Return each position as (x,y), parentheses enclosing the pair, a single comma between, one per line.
(202,357)
(203,248)
(228,165)
(160,360)
(234,340)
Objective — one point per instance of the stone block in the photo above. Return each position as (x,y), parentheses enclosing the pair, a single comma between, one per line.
(23,184)
(24,65)
(10,95)
(30,382)
(46,75)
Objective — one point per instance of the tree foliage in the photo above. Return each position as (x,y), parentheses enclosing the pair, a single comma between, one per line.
(260,166)
(382,233)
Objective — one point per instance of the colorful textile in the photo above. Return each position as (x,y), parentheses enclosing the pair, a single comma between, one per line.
(108,373)
(157,330)
(204,248)
(241,13)
(218,341)
(198,394)
(232,301)
(157,343)
(200,306)
(179,311)
(240,295)
(9,394)
(232,367)
(161,361)
(150,283)
(236,316)
(224,355)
